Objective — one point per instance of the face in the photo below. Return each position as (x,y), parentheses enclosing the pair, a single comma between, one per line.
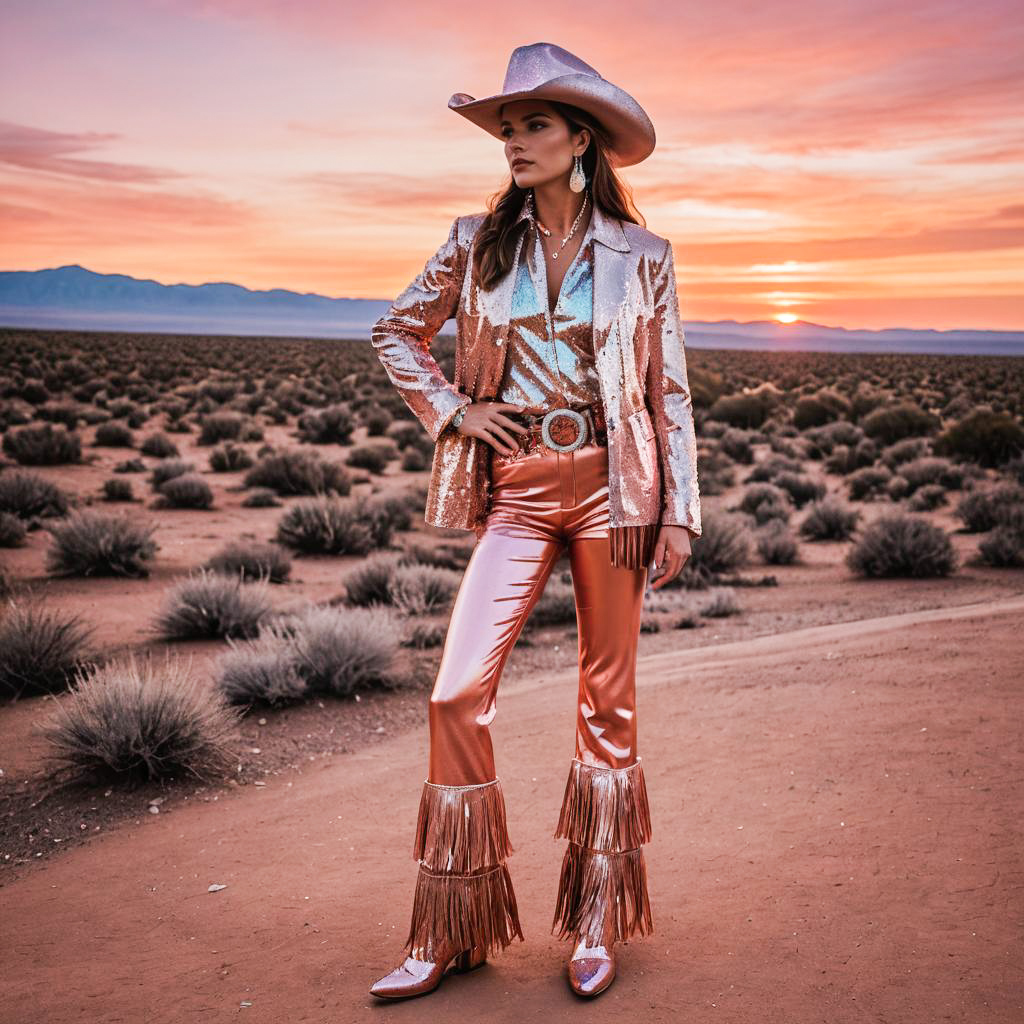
(535,132)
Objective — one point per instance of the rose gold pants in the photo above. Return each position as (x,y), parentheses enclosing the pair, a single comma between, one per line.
(542,504)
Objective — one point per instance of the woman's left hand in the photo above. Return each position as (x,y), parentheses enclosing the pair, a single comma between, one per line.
(671,550)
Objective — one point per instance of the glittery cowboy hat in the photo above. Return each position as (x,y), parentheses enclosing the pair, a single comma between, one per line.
(546,71)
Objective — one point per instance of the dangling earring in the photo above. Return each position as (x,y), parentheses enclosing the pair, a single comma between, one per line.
(577,180)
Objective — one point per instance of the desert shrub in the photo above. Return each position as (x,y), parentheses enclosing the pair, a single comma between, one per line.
(328,526)
(931,470)
(260,671)
(221,426)
(369,583)
(261,497)
(897,544)
(133,721)
(867,483)
(723,546)
(829,519)
(387,515)
(158,446)
(983,436)
(187,490)
(298,472)
(1014,468)
(28,495)
(373,456)
(422,589)
(68,413)
(844,459)
(981,510)
(92,542)
(41,648)
(820,408)
(742,410)
(736,444)
(425,635)
(926,498)
(822,441)
(12,530)
(405,433)
(448,555)
(893,423)
(130,466)
(776,544)
(219,391)
(1004,546)
(339,651)
(113,435)
(414,460)
(333,425)
(229,458)
(168,470)
(211,605)
(42,445)
(800,487)
(908,450)
(723,603)
(758,494)
(252,560)
(116,489)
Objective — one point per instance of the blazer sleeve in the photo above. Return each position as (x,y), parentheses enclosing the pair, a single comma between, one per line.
(670,404)
(403,335)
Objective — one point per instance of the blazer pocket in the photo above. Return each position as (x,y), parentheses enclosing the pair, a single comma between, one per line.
(642,425)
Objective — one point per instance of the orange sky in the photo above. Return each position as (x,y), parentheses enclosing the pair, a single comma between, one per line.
(857,164)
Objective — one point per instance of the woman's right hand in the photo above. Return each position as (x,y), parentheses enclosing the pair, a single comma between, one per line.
(490,422)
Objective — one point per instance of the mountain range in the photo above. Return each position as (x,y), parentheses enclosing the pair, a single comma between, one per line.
(74,297)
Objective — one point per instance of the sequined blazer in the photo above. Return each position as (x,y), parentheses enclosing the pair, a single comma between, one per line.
(639,356)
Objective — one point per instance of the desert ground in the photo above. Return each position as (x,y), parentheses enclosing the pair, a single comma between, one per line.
(834,758)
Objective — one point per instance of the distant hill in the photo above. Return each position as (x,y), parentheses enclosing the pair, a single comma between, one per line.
(78,298)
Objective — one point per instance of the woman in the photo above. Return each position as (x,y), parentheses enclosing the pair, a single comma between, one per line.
(569,427)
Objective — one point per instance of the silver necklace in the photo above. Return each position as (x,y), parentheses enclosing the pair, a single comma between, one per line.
(572,230)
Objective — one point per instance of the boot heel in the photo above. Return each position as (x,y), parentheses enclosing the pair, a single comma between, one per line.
(470,959)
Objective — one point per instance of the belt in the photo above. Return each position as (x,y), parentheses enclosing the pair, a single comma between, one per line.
(563,429)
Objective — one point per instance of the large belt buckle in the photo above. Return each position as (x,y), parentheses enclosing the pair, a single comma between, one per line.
(555,429)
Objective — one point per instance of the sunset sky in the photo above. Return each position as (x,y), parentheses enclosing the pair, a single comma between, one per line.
(852,163)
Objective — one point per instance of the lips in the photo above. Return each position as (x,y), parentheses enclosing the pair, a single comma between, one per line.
(520,163)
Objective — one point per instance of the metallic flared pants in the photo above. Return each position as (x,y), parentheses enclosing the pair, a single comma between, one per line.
(542,504)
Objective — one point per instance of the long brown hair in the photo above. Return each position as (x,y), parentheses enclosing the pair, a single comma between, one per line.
(495,242)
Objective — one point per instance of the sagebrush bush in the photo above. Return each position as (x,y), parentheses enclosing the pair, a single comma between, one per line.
(800,487)
(187,490)
(327,526)
(373,456)
(333,425)
(985,437)
(776,544)
(261,497)
(43,445)
(132,721)
(113,435)
(556,606)
(869,482)
(92,542)
(159,446)
(260,671)
(221,426)
(422,589)
(299,472)
(1003,548)
(897,544)
(829,519)
(744,410)
(723,546)
(116,489)
(28,495)
(369,583)
(252,560)
(229,458)
(893,423)
(932,470)
(168,470)
(981,510)
(39,648)
(339,651)
(209,605)
(722,604)
(12,530)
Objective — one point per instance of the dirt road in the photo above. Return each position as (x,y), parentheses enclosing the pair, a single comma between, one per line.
(837,839)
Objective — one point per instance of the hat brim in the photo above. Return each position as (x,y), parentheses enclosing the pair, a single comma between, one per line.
(631,131)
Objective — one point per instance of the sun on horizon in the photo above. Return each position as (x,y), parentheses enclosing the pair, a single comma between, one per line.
(786,318)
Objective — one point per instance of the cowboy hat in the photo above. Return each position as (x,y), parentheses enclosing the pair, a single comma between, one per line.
(546,71)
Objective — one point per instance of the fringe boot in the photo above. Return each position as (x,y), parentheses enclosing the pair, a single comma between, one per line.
(606,818)
(464,895)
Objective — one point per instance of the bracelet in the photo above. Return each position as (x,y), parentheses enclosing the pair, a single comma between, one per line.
(458,417)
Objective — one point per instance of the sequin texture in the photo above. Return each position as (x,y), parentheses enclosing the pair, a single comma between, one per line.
(638,361)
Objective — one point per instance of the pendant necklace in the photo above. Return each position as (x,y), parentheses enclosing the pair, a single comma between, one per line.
(572,230)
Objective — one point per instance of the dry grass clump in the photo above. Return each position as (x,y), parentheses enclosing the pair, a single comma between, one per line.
(41,648)
(898,544)
(208,605)
(92,542)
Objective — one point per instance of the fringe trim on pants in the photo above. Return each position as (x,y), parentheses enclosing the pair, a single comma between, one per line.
(632,546)
(461,828)
(595,886)
(463,910)
(605,808)
(602,888)
(464,895)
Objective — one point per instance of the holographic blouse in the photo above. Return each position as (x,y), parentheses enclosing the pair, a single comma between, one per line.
(550,360)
